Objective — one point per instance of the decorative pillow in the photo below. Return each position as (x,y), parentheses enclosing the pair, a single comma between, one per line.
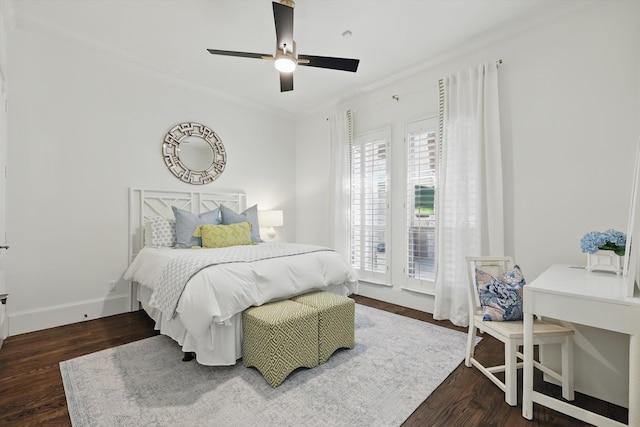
(222,236)
(186,224)
(229,216)
(501,297)
(159,231)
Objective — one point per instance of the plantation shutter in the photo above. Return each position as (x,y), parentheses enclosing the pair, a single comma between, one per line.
(422,160)
(369,205)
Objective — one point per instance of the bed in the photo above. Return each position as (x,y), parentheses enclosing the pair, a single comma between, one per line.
(196,296)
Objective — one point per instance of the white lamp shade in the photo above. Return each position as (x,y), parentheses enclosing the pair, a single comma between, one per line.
(270,218)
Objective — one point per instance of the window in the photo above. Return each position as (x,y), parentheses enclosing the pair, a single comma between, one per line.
(369,205)
(422,159)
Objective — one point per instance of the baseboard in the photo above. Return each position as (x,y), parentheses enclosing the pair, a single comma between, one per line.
(403,297)
(49,317)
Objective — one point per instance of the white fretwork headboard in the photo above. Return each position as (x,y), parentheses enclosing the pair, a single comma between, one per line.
(146,203)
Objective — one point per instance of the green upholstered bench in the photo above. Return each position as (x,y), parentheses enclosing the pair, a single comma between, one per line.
(336,318)
(278,338)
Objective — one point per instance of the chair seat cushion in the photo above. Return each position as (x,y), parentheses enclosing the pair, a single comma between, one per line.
(500,297)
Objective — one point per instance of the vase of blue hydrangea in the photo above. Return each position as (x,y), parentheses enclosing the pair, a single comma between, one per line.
(604,249)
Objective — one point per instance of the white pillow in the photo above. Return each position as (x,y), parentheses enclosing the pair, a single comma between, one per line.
(159,231)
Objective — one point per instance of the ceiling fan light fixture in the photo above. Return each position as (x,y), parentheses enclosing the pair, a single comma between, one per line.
(285,64)
(285,59)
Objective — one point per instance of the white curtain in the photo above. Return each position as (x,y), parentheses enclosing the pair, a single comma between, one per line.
(470,217)
(340,221)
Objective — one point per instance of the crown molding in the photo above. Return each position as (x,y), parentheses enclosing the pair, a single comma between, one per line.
(509,31)
(528,23)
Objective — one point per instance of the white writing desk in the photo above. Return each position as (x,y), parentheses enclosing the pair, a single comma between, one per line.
(595,299)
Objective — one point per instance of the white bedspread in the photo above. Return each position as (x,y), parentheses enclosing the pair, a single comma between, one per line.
(218,292)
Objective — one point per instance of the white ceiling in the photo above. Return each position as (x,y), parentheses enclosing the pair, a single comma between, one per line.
(171,36)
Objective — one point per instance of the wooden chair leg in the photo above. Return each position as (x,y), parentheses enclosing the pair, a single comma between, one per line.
(510,373)
(567,368)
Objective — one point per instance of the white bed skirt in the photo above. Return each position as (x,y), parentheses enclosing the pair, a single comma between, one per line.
(222,347)
(223,344)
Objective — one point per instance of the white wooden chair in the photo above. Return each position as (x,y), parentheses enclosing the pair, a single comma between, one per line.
(511,334)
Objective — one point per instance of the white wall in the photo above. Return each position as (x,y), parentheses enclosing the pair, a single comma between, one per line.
(570,124)
(569,119)
(571,113)
(313,189)
(83,129)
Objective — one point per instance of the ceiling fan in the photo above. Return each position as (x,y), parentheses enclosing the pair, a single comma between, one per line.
(286,58)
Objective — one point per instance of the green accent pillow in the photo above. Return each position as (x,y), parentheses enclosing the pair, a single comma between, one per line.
(222,236)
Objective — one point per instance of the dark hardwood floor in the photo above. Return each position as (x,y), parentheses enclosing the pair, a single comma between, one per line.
(32,394)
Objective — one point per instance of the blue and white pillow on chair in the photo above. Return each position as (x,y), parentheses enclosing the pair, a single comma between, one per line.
(500,297)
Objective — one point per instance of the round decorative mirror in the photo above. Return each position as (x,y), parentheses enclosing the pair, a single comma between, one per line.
(194,153)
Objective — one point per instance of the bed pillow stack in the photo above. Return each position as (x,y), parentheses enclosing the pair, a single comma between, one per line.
(186,224)
(229,216)
(183,232)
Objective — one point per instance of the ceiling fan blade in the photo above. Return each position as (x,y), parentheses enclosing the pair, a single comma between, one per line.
(344,64)
(286,82)
(240,54)
(283,19)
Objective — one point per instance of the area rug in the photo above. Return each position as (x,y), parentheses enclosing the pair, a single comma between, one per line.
(396,363)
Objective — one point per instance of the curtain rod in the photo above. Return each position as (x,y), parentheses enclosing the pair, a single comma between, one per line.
(498,63)
(397,97)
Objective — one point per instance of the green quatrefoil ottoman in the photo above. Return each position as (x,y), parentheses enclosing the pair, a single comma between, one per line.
(278,338)
(336,319)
